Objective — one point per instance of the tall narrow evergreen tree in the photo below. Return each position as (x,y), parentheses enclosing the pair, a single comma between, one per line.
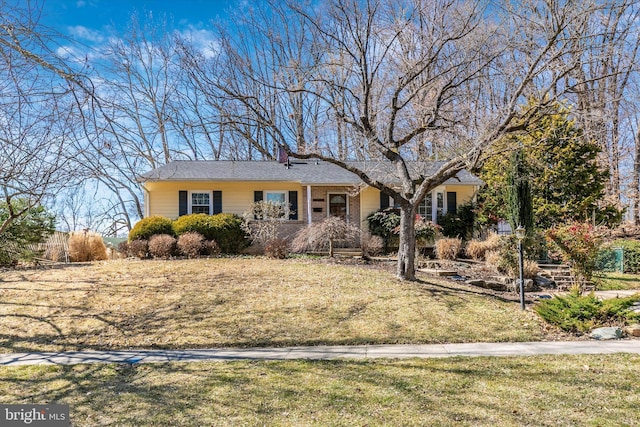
(519,200)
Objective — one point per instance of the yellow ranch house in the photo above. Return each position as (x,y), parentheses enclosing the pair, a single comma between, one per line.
(313,189)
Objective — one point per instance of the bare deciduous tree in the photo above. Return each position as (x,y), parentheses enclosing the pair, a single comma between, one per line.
(38,104)
(606,66)
(406,81)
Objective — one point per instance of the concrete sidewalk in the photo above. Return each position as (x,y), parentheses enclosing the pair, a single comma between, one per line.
(323,352)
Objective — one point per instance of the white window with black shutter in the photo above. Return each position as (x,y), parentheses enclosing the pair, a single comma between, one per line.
(198,201)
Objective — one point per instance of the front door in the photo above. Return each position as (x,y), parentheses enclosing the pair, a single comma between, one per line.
(338,205)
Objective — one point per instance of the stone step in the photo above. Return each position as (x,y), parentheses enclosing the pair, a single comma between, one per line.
(438,272)
(553,266)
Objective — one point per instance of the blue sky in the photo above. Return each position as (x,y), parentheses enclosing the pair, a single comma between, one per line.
(72,17)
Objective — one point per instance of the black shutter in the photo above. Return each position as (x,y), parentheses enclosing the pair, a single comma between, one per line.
(293,205)
(183,204)
(257,197)
(452,205)
(384,201)
(217,202)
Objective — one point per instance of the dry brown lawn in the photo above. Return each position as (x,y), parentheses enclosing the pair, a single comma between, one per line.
(243,302)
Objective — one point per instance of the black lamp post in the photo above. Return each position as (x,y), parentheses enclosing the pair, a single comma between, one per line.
(521,232)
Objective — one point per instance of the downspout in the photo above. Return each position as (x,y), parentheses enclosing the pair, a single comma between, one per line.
(146,201)
(308,204)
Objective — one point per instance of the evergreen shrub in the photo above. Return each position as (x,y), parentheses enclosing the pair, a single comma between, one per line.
(225,229)
(461,224)
(580,313)
(382,223)
(147,227)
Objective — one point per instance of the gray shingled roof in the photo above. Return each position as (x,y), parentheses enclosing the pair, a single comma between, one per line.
(304,172)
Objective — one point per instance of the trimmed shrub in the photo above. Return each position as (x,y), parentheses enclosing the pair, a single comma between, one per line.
(225,229)
(123,248)
(277,248)
(580,313)
(191,244)
(147,227)
(86,246)
(371,245)
(211,248)
(162,246)
(448,248)
(139,248)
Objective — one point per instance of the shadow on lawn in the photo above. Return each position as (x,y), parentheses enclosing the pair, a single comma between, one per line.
(479,391)
(460,289)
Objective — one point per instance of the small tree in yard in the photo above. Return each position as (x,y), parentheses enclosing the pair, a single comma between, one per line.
(577,244)
(323,235)
(262,224)
(519,202)
(33,225)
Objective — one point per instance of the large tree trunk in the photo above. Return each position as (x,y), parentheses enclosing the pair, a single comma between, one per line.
(407,249)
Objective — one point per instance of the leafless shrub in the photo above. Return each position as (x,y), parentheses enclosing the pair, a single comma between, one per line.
(86,246)
(211,248)
(448,248)
(123,248)
(277,248)
(371,245)
(323,235)
(191,244)
(162,246)
(139,248)
(263,221)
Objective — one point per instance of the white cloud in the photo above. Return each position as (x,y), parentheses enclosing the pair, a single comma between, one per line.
(203,40)
(85,33)
(81,3)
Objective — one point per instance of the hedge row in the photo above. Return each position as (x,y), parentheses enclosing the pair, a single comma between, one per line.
(224,229)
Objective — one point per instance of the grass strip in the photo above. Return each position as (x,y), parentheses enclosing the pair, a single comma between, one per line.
(586,390)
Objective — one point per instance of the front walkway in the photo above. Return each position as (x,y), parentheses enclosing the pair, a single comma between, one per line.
(324,352)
